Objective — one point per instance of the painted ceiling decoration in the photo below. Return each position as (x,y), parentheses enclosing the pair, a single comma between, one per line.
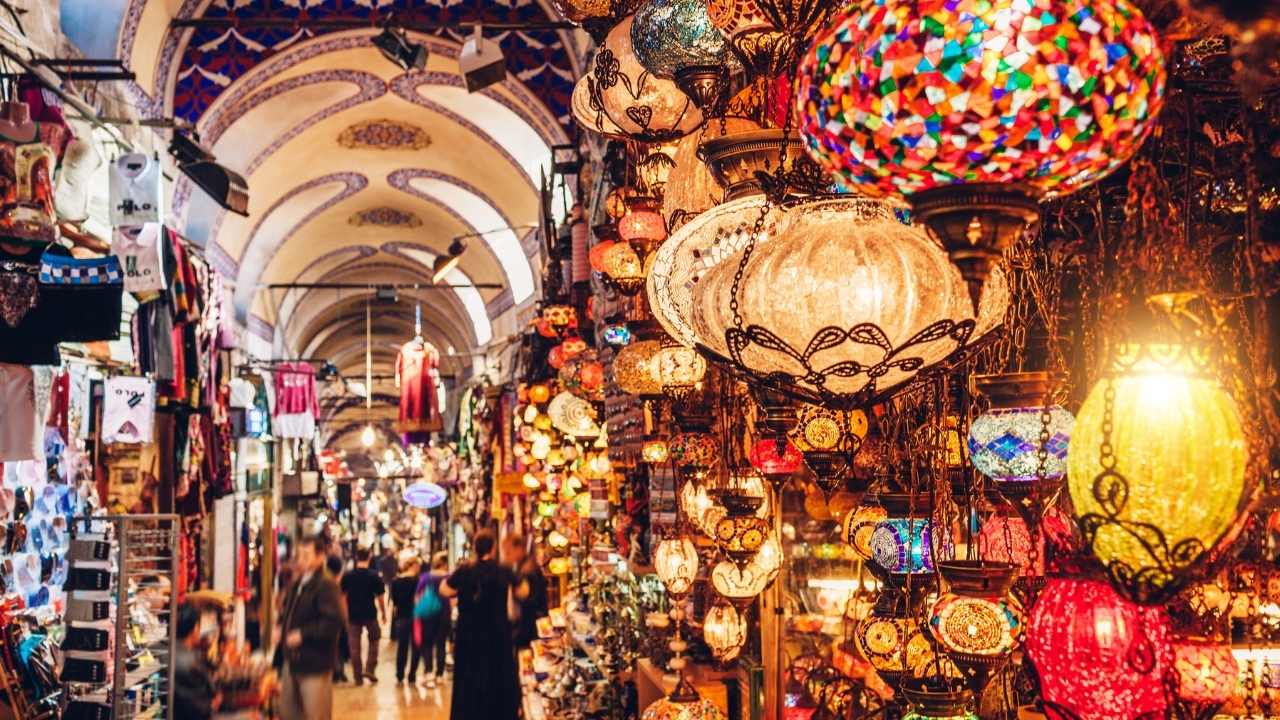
(214,57)
(384,216)
(384,134)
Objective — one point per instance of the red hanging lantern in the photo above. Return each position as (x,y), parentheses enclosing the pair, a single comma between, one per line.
(1098,656)
(555,357)
(595,256)
(765,457)
(539,393)
(545,328)
(572,347)
(1207,671)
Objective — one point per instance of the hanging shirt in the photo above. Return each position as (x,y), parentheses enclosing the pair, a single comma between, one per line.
(135,190)
(139,250)
(26,182)
(128,409)
(296,405)
(21,437)
(242,393)
(415,373)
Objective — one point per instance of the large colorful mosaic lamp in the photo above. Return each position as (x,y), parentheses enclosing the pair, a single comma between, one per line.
(906,542)
(972,111)
(976,621)
(675,39)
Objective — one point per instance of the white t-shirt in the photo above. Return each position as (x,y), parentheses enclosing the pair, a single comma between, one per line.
(242,393)
(21,431)
(128,409)
(135,190)
(138,248)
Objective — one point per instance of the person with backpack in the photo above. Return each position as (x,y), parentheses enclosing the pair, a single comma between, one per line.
(434,618)
(403,590)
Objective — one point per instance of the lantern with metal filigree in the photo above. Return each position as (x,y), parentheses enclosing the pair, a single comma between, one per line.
(976,621)
(676,562)
(724,629)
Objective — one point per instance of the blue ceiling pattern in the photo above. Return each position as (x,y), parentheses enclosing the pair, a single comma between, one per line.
(214,57)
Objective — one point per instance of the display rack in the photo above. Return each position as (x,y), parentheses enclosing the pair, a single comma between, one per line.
(143,555)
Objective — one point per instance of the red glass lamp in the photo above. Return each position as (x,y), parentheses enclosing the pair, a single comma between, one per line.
(1098,656)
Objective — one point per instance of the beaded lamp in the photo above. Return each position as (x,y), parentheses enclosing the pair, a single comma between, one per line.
(1207,673)
(975,620)
(974,109)
(1004,442)
(906,541)
(1082,624)
(1156,467)
(673,35)
(623,96)
(845,263)
(631,370)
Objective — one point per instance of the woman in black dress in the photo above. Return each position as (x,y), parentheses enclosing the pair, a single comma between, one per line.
(485,680)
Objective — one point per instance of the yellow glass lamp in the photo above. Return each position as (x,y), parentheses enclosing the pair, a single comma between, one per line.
(725,631)
(1171,485)
(676,562)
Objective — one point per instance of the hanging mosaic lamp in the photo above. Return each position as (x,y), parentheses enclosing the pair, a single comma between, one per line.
(675,39)
(676,562)
(1207,674)
(573,416)
(937,704)
(906,542)
(777,460)
(691,188)
(677,369)
(975,620)
(539,393)
(845,305)
(892,639)
(624,267)
(583,376)
(739,584)
(623,95)
(643,227)
(694,452)
(768,34)
(1004,442)
(1156,467)
(631,370)
(683,703)
(724,629)
(1083,624)
(588,114)
(680,263)
(973,110)
(859,525)
(654,452)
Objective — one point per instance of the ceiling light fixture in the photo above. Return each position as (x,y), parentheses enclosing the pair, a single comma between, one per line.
(481,62)
(395,46)
(446,263)
(226,187)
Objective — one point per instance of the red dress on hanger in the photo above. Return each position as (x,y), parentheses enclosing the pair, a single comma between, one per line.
(415,374)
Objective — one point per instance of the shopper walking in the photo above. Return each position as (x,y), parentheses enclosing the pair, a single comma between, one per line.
(485,683)
(534,606)
(312,621)
(434,618)
(403,589)
(366,607)
(194,697)
(335,565)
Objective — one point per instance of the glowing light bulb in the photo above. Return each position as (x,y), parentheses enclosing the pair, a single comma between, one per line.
(367,436)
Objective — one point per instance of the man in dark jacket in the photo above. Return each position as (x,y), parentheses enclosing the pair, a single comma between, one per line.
(193,693)
(310,625)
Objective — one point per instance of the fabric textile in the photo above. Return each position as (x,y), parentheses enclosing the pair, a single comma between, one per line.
(21,437)
(128,409)
(415,374)
(141,256)
(27,164)
(134,189)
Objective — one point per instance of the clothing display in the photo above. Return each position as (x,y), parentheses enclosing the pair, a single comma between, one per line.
(29,155)
(21,432)
(128,409)
(86,294)
(416,376)
(139,249)
(296,408)
(135,190)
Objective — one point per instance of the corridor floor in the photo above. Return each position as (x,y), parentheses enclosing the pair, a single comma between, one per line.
(384,700)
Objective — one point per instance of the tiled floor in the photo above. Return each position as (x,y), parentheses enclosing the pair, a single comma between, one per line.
(386,701)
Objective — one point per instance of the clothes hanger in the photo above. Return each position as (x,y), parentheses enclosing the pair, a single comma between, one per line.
(417,324)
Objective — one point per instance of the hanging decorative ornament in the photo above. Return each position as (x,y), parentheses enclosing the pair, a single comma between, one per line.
(626,99)
(595,256)
(677,369)
(631,370)
(1207,675)
(560,317)
(624,268)
(891,639)
(691,188)
(1004,442)
(859,526)
(724,629)
(739,584)
(1156,467)
(583,376)
(1079,624)
(702,243)
(835,309)
(777,460)
(654,169)
(573,416)
(643,227)
(976,621)
(617,335)
(683,703)
(768,35)
(555,357)
(675,39)
(906,541)
(676,562)
(975,109)
(694,452)
(927,703)
(573,346)
(654,452)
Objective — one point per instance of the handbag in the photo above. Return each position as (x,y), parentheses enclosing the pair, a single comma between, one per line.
(429,605)
(86,295)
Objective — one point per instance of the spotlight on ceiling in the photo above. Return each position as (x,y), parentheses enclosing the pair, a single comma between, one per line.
(395,46)
(445,263)
(481,62)
(227,188)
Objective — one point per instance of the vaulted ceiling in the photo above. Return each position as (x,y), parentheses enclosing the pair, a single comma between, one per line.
(359,173)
